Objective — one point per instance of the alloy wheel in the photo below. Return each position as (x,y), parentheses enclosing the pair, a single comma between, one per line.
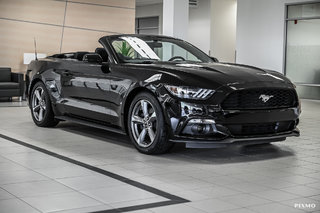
(144,123)
(38,104)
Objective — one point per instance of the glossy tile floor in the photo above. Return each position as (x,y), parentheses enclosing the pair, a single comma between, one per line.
(14,103)
(283,177)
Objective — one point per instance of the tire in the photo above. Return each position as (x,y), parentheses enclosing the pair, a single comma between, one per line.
(147,128)
(40,105)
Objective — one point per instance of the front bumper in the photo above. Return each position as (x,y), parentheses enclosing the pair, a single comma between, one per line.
(209,126)
(198,143)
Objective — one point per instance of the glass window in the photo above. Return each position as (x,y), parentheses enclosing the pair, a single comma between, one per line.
(149,25)
(148,22)
(303,10)
(143,49)
(151,31)
(303,49)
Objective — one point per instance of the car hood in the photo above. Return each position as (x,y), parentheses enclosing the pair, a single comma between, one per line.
(213,75)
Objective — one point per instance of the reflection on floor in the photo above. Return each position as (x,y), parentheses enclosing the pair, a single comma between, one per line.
(14,103)
(265,178)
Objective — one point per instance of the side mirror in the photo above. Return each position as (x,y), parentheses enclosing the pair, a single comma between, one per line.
(105,67)
(92,58)
(214,59)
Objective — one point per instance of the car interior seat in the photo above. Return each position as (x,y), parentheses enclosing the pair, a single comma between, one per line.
(103,53)
(79,55)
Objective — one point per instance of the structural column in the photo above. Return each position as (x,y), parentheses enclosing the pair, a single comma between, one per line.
(176,18)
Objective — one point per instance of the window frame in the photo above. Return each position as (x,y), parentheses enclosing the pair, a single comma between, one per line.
(138,28)
(286,20)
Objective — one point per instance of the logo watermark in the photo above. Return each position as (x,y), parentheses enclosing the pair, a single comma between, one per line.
(305,205)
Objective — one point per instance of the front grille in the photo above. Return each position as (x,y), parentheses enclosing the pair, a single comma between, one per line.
(261,128)
(260,99)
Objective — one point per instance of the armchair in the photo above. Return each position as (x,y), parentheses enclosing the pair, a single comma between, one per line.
(11,84)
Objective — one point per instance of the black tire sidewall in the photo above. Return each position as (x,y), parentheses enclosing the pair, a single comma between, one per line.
(161,133)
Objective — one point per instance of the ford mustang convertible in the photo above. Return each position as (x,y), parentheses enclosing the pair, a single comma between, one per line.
(160,91)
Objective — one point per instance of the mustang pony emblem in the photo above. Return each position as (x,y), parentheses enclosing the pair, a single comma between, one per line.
(265,98)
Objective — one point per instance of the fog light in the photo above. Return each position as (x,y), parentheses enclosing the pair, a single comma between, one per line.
(201,128)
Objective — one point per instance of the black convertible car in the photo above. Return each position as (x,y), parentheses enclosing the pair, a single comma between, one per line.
(161,91)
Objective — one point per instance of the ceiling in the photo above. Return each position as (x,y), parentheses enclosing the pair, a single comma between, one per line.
(147,2)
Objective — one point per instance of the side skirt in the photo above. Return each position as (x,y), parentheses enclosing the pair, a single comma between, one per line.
(91,124)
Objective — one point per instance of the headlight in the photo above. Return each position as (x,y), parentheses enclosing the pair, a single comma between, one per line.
(189,92)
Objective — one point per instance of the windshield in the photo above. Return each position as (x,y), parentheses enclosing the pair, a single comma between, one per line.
(131,49)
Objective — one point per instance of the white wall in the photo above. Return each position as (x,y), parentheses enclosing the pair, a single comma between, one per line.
(223,29)
(260,33)
(199,26)
(150,11)
(175,18)
(212,26)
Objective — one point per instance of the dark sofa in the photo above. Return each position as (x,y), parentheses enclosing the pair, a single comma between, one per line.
(11,84)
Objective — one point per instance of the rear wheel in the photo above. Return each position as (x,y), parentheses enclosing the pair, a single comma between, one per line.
(146,125)
(41,109)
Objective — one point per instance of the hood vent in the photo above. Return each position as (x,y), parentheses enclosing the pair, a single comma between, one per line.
(193,3)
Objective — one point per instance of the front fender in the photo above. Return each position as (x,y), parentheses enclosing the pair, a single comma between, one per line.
(156,89)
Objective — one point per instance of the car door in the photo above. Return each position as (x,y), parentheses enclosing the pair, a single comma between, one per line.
(85,89)
(120,82)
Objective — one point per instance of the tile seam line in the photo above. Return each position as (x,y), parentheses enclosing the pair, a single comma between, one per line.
(102,5)
(18,198)
(14,106)
(97,170)
(172,199)
(64,23)
(57,25)
(140,207)
(96,4)
(49,179)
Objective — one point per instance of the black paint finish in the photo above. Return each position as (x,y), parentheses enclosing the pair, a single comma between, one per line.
(101,93)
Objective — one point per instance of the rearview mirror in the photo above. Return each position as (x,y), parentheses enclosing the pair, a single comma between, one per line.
(154,44)
(92,58)
(214,59)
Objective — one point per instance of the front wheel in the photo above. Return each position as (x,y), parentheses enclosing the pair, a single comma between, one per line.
(41,110)
(146,125)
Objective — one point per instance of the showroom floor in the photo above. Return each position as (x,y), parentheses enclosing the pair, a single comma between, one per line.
(73,168)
